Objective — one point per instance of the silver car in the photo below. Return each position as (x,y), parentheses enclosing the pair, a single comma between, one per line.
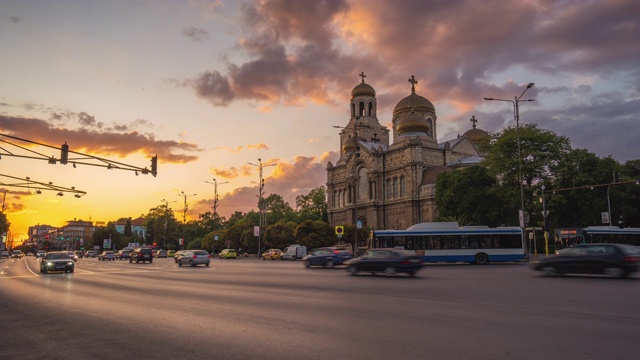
(107,255)
(194,257)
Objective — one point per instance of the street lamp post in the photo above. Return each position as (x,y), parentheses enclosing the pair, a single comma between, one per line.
(262,221)
(166,214)
(215,194)
(516,115)
(184,215)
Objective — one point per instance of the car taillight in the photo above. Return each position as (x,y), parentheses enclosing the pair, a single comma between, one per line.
(209,256)
(630,259)
(404,262)
(336,252)
(195,257)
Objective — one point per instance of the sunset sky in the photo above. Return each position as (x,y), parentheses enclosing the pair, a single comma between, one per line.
(210,86)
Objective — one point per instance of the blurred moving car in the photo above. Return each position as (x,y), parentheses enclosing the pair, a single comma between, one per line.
(228,254)
(194,257)
(123,254)
(177,255)
(17,254)
(90,254)
(4,253)
(107,255)
(614,260)
(273,254)
(79,254)
(141,254)
(57,261)
(327,257)
(171,253)
(387,261)
(72,256)
(161,254)
(40,253)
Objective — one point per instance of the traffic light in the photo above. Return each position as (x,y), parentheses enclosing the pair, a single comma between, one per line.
(64,153)
(154,165)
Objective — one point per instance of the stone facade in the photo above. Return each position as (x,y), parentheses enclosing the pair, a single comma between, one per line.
(392,186)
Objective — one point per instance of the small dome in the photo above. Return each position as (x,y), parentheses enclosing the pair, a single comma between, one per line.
(363,89)
(349,145)
(414,101)
(477,136)
(413,122)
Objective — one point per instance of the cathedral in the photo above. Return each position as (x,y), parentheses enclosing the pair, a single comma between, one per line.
(381,184)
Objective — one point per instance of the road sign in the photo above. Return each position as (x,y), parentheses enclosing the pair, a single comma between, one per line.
(339,230)
(106,243)
(256,231)
(215,238)
(359,224)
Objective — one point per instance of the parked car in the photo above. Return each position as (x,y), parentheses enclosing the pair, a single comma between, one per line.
(228,254)
(614,260)
(273,254)
(72,256)
(90,254)
(171,253)
(141,254)
(40,253)
(107,255)
(194,257)
(123,254)
(387,261)
(327,257)
(57,261)
(294,252)
(160,254)
(17,254)
(4,253)
(79,254)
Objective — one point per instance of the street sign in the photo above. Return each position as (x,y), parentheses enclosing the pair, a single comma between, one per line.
(106,243)
(339,230)
(256,231)
(359,224)
(605,217)
(215,238)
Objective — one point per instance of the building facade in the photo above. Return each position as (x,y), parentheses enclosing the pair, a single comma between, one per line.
(392,185)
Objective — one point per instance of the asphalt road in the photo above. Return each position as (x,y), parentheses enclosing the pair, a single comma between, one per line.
(252,309)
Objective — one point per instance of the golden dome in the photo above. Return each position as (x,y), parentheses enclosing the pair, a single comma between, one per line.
(477,136)
(348,146)
(363,89)
(415,102)
(412,122)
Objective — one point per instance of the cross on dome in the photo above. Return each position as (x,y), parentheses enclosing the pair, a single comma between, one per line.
(413,82)
(362,75)
(473,120)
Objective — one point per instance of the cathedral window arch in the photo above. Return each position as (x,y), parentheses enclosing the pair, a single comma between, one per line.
(430,122)
(353,110)
(371,190)
(389,189)
(402,186)
(395,187)
(344,197)
(363,183)
(361,108)
(370,108)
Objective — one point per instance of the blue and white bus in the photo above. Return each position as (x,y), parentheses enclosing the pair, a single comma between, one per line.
(611,235)
(449,242)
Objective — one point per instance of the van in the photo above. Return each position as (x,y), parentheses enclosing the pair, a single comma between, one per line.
(294,252)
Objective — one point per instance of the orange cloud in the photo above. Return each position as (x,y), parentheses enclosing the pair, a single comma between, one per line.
(258,146)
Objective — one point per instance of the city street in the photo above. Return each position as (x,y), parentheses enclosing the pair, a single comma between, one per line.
(254,309)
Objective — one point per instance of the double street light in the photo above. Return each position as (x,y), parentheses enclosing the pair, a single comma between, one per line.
(166,214)
(184,215)
(516,115)
(215,194)
(262,222)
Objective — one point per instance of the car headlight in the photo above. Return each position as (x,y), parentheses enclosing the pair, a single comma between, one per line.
(49,263)
(70,263)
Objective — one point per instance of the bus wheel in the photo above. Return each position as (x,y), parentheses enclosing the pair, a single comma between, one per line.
(482,259)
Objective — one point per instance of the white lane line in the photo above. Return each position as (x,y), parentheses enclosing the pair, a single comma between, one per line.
(28,268)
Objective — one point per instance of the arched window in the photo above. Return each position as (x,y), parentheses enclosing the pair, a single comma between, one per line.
(389,189)
(370,108)
(395,187)
(361,109)
(402,187)
(344,197)
(430,131)
(363,184)
(371,183)
(335,199)
(353,110)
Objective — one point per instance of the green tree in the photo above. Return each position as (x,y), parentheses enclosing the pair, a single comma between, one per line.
(313,206)
(470,194)
(5,225)
(278,209)
(280,235)
(540,151)
(314,233)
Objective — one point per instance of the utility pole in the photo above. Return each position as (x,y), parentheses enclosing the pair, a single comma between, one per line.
(184,216)
(215,194)
(262,222)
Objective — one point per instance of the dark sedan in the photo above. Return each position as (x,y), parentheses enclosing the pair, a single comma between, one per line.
(614,260)
(387,261)
(56,261)
(327,257)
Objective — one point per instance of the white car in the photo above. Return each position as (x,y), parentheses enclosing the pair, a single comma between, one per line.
(4,254)
(41,253)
